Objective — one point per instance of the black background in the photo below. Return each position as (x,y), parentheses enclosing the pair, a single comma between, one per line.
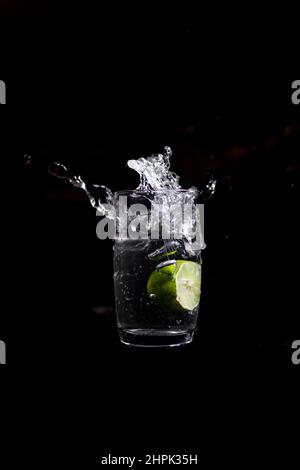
(92,88)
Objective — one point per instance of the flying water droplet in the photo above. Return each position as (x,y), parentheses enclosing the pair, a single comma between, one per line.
(27,160)
(97,194)
(59,170)
(209,190)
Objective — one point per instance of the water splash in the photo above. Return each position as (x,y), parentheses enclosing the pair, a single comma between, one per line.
(209,190)
(155,172)
(27,160)
(157,183)
(155,175)
(98,194)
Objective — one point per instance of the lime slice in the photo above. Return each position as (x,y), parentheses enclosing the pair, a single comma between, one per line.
(176,287)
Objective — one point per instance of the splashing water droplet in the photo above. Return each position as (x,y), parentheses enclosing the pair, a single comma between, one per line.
(157,183)
(209,190)
(59,170)
(98,194)
(154,171)
(27,160)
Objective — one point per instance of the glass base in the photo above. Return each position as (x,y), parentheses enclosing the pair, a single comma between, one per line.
(155,338)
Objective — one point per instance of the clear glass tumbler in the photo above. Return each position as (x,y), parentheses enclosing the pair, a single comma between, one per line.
(157,280)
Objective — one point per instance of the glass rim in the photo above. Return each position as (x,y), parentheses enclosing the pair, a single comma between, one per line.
(140,192)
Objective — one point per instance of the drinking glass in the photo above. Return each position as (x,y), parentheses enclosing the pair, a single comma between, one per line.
(157,280)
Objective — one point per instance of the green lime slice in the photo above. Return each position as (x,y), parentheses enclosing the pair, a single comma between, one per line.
(176,286)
